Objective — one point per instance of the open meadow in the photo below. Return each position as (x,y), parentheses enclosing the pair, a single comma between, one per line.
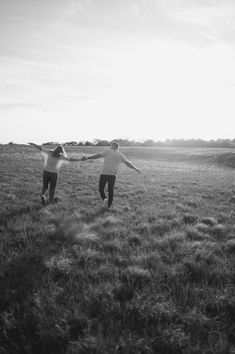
(155,274)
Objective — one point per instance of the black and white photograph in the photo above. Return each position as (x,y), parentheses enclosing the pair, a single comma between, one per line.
(117,180)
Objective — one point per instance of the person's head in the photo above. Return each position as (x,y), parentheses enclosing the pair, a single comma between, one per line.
(59,151)
(114,145)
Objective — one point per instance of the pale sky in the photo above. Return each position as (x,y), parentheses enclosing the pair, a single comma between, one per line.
(137,69)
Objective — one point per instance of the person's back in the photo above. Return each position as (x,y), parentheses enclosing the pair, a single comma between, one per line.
(53,159)
(112,161)
(52,163)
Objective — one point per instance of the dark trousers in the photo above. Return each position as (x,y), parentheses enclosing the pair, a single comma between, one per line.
(104,179)
(49,178)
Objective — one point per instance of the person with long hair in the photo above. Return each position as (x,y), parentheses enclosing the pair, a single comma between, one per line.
(53,161)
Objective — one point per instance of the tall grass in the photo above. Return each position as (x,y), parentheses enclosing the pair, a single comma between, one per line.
(155,274)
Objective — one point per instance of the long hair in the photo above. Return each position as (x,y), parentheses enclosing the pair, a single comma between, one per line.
(59,151)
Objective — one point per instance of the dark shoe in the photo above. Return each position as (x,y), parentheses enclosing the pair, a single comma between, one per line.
(43,200)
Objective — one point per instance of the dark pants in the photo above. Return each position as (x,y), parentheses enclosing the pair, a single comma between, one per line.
(49,178)
(104,179)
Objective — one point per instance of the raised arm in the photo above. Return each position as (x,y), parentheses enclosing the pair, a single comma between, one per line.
(129,164)
(71,159)
(41,148)
(36,146)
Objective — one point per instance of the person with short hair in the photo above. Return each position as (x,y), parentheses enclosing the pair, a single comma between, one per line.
(53,161)
(112,161)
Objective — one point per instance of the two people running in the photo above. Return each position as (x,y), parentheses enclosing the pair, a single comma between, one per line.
(55,158)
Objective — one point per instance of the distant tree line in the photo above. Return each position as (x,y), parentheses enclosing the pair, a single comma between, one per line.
(193,143)
(190,143)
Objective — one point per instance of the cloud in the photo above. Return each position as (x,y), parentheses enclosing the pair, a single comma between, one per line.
(195,21)
(14,105)
(214,22)
(47,27)
(44,86)
(76,6)
(89,60)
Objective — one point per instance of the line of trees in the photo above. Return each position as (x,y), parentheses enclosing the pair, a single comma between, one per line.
(219,143)
(190,143)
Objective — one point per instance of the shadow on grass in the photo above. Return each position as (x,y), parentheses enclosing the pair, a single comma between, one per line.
(20,311)
(4,217)
(226,159)
(91,216)
(19,279)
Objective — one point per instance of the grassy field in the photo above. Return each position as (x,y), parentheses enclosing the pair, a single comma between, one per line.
(155,274)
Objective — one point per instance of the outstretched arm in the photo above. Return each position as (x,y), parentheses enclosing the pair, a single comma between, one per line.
(126,162)
(92,157)
(70,159)
(41,148)
(36,146)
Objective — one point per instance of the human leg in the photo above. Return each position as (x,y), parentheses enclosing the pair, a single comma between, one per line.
(111,183)
(102,183)
(46,180)
(53,181)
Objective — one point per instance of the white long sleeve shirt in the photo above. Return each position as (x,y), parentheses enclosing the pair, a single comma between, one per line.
(51,163)
(112,161)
